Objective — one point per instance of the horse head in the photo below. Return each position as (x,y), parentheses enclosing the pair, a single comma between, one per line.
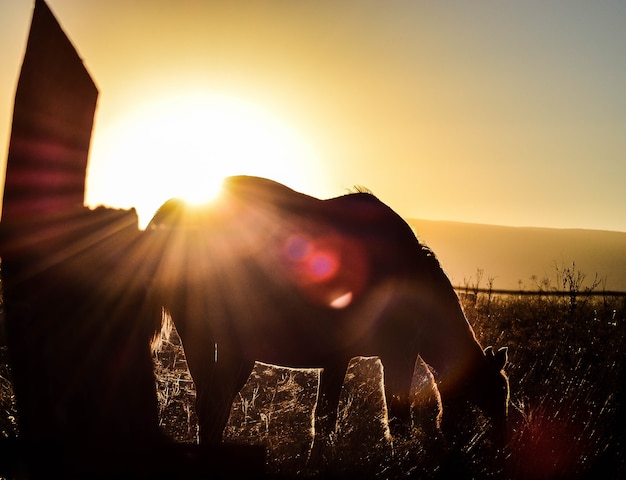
(493,397)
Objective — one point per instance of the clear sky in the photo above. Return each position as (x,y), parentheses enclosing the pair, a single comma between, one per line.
(500,112)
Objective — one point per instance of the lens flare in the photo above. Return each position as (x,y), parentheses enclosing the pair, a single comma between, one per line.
(342,301)
(328,269)
(322,266)
(312,262)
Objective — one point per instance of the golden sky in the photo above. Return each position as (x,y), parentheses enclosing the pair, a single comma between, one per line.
(500,112)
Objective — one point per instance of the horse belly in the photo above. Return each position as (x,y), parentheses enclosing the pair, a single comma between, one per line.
(299,339)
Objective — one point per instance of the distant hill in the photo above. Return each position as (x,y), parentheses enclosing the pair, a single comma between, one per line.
(513,254)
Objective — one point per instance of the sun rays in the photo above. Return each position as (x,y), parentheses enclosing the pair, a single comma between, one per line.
(185,145)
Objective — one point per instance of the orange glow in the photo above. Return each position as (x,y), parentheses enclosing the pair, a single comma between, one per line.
(498,115)
(186,145)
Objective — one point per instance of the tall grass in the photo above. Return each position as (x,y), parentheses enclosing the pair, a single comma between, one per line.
(8,411)
(567,374)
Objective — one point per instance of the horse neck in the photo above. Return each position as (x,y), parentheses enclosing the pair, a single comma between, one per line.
(449,344)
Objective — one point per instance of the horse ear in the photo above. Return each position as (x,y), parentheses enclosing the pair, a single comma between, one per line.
(501,357)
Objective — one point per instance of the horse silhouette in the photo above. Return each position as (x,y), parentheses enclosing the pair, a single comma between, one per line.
(266,273)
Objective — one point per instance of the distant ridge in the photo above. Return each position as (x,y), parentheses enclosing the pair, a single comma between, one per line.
(512,255)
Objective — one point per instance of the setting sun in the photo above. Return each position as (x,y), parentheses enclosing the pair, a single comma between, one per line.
(184,146)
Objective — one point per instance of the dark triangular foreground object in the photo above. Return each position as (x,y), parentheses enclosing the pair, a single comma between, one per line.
(53,116)
(74,292)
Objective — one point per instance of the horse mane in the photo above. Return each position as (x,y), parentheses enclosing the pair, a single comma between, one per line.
(361,189)
(427,252)
(431,263)
(360,193)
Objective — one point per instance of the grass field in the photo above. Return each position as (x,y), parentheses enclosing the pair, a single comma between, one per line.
(567,374)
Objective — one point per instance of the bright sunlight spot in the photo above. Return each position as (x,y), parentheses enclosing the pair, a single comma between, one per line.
(184,147)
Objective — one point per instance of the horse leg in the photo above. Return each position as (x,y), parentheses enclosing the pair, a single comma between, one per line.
(398,373)
(224,380)
(331,382)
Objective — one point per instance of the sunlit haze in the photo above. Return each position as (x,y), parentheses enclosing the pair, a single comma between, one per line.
(183,146)
(498,112)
